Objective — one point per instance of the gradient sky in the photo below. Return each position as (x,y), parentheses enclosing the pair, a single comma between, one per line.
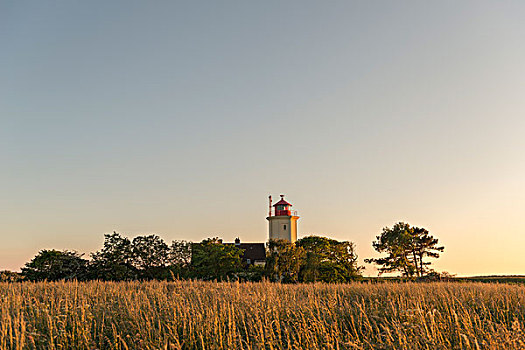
(180,118)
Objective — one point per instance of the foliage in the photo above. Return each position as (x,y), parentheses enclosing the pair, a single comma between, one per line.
(406,249)
(518,279)
(54,265)
(311,259)
(10,276)
(115,260)
(252,273)
(180,259)
(144,257)
(180,253)
(151,256)
(284,261)
(328,260)
(213,260)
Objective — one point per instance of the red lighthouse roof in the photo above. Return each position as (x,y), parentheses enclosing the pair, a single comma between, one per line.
(282,202)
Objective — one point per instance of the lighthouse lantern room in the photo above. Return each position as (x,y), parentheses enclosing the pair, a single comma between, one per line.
(282,221)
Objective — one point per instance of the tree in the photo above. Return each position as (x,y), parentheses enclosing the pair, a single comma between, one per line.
(115,260)
(328,260)
(312,259)
(10,276)
(406,248)
(211,259)
(180,258)
(424,245)
(54,265)
(151,256)
(284,261)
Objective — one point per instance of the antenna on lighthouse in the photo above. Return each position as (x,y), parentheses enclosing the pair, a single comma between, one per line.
(270,205)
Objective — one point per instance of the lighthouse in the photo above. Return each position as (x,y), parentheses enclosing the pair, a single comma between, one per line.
(282,221)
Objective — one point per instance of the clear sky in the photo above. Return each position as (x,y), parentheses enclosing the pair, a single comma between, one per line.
(180,118)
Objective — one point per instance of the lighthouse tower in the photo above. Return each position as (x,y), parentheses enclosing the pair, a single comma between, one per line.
(283,222)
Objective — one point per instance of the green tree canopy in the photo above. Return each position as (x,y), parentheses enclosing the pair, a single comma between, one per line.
(312,259)
(151,256)
(180,259)
(406,248)
(328,260)
(284,261)
(115,260)
(54,265)
(180,253)
(211,259)
(10,276)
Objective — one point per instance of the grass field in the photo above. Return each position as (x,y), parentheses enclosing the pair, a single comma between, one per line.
(207,315)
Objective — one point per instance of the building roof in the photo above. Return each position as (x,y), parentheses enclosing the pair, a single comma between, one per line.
(282,202)
(252,251)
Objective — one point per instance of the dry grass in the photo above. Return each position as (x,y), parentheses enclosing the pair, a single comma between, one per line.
(206,315)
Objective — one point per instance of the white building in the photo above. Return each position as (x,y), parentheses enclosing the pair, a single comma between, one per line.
(282,221)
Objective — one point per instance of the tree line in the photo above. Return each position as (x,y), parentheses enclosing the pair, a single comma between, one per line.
(309,259)
(148,257)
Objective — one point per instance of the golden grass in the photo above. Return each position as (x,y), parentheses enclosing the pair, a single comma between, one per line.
(207,315)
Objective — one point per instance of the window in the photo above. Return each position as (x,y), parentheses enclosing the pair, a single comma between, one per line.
(284,227)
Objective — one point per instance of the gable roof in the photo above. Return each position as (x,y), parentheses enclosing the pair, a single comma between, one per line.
(282,202)
(252,251)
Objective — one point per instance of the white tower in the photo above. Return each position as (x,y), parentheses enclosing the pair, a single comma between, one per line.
(283,222)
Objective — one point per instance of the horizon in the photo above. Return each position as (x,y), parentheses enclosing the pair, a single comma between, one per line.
(179,119)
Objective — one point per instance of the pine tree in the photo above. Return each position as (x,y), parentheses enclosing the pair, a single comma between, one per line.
(406,248)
